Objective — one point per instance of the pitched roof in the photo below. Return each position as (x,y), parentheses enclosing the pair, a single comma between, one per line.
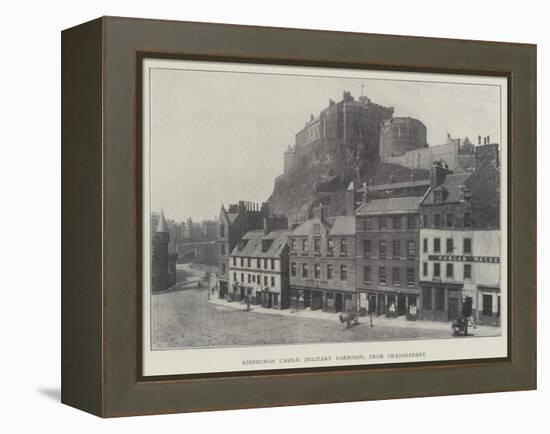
(162,225)
(343,225)
(390,205)
(451,185)
(306,227)
(253,246)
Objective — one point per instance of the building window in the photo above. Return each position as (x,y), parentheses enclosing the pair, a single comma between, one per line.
(292,245)
(437,220)
(410,276)
(248,277)
(395,249)
(222,230)
(235,277)
(242,277)
(411,249)
(437,270)
(382,275)
(411,222)
(248,262)
(382,223)
(366,248)
(234,261)
(330,246)
(366,274)
(265,263)
(272,281)
(242,262)
(343,272)
(316,228)
(425,221)
(382,249)
(425,245)
(450,271)
(304,270)
(427,298)
(317,271)
(293,269)
(273,264)
(449,220)
(437,245)
(265,281)
(396,276)
(258,263)
(467,219)
(467,271)
(367,224)
(329,271)
(450,246)
(304,245)
(424,269)
(223,269)
(467,245)
(439,299)
(222,249)
(316,245)
(253,278)
(397,222)
(344,247)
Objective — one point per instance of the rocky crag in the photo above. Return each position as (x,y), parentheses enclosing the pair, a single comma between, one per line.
(339,146)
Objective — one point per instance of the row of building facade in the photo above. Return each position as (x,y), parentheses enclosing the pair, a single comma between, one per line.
(428,249)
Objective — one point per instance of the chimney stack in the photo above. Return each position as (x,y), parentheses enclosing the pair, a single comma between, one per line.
(438,173)
(319,213)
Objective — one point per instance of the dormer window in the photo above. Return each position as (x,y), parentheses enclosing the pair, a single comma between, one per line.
(266,244)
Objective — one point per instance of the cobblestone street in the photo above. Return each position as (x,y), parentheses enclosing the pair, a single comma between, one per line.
(185,318)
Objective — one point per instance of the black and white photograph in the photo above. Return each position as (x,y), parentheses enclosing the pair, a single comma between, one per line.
(313,217)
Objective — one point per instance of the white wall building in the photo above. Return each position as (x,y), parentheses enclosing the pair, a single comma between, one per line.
(258,269)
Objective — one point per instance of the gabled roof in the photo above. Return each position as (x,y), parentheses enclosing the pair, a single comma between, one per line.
(451,185)
(253,246)
(306,227)
(390,205)
(343,225)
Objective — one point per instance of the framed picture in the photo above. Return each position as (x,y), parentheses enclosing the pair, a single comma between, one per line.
(257,216)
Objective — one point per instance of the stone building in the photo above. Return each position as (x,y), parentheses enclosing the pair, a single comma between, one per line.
(461,242)
(322,263)
(387,237)
(345,122)
(233,224)
(258,269)
(163,262)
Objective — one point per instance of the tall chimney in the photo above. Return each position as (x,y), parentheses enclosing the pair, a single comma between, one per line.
(350,199)
(319,213)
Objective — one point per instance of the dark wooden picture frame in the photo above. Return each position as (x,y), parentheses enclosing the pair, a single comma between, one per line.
(101,219)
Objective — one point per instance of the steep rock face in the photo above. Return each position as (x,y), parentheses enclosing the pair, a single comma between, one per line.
(323,173)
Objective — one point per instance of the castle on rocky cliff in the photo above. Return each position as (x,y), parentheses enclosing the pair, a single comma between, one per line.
(384,138)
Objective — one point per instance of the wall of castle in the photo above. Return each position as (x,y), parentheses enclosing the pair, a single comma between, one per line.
(400,135)
(424,157)
(289,161)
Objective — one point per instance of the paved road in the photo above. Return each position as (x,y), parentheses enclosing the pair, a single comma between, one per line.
(184,318)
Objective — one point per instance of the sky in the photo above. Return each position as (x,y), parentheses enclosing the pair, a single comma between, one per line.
(219,137)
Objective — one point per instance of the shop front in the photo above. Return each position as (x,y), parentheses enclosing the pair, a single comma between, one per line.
(390,303)
(489,301)
(441,301)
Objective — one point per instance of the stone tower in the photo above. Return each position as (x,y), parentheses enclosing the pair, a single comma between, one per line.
(160,279)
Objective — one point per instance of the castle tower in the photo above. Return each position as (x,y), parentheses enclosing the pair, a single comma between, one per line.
(160,279)
(400,135)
